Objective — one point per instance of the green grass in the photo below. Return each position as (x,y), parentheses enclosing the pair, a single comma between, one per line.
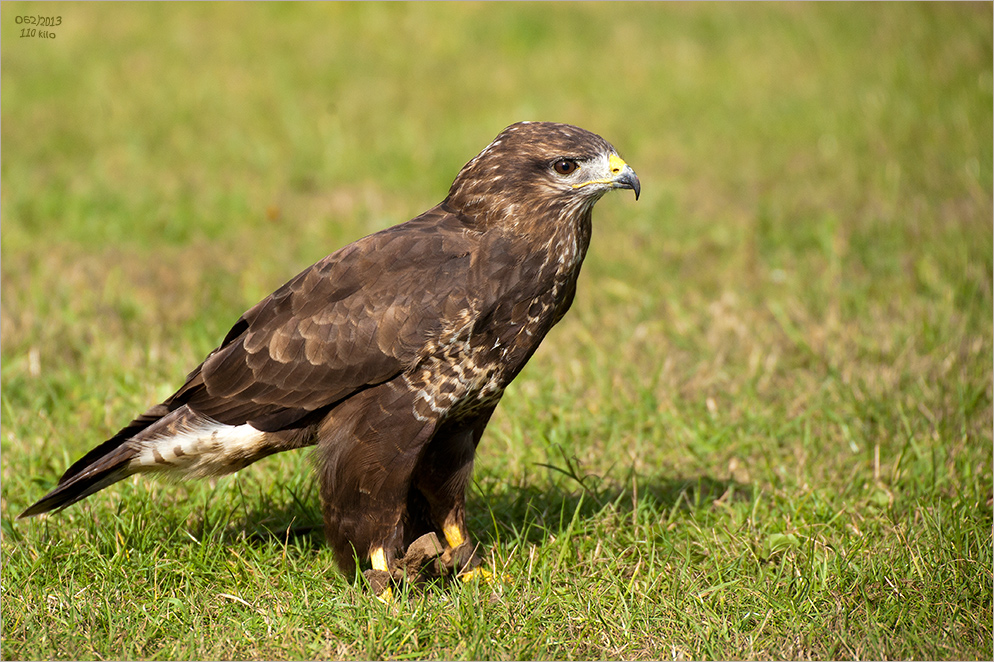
(763,431)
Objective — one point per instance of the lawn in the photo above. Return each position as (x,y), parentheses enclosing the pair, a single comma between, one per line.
(763,431)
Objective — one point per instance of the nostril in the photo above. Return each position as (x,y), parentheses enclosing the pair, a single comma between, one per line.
(616,165)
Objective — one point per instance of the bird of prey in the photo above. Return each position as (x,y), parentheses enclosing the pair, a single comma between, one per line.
(390,354)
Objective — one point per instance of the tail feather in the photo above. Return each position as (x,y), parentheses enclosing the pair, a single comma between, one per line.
(107,470)
(133,429)
(180,442)
(102,466)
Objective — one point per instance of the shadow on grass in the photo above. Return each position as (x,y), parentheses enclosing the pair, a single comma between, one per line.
(532,513)
(528,513)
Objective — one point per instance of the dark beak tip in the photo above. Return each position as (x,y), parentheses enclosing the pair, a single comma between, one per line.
(629,180)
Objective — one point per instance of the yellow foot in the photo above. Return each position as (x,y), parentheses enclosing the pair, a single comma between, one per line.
(454,536)
(477,573)
(481,573)
(385,596)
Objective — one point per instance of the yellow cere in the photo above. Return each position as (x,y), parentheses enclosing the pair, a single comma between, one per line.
(616,164)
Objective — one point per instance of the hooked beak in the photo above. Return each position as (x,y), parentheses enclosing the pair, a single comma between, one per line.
(624,176)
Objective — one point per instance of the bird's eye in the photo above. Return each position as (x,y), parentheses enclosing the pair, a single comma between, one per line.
(565,166)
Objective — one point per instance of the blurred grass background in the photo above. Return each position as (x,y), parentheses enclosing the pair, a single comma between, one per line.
(768,416)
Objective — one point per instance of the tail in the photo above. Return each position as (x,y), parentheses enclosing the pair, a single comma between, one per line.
(180,442)
(104,465)
(110,468)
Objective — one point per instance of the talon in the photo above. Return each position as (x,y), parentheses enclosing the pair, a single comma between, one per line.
(385,596)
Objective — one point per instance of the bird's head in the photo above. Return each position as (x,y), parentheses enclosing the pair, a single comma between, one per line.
(540,167)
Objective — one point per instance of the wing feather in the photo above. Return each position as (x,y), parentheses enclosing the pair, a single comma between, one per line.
(357,318)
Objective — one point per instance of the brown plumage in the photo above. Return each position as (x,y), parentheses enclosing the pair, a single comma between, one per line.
(389,354)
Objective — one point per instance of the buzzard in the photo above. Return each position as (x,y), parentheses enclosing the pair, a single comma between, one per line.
(390,354)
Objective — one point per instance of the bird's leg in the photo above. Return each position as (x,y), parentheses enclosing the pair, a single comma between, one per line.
(442,478)
(378,557)
(457,536)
